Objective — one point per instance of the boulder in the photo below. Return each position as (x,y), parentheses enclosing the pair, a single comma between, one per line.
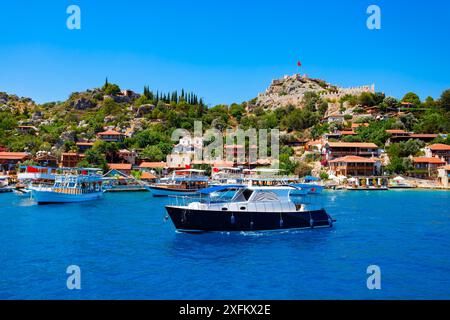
(82,104)
(144,109)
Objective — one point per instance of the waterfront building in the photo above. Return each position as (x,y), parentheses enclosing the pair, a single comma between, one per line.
(335,150)
(444,176)
(439,150)
(9,160)
(426,167)
(45,159)
(355,166)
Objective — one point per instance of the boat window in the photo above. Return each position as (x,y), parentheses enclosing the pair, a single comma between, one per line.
(265,196)
(71,184)
(247,193)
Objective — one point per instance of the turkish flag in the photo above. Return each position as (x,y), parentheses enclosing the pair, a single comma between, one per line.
(188,166)
(216,169)
(84,172)
(32,169)
(299,63)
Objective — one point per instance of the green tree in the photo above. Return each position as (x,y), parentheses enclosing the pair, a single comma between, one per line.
(412,98)
(111,88)
(366,99)
(153,153)
(445,100)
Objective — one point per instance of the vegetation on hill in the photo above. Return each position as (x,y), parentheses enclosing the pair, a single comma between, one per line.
(152,117)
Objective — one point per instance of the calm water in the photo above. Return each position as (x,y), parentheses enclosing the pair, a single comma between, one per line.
(125,250)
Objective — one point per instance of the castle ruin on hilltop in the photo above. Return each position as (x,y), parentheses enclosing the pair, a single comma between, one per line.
(290,90)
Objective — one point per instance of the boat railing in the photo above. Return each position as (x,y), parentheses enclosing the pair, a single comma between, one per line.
(282,205)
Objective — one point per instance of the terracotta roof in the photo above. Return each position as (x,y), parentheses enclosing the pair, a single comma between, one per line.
(347,132)
(356,125)
(439,147)
(447,167)
(147,176)
(13,155)
(84,143)
(423,135)
(396,131)
(153,165)
(353,144)
(314,142)
(69,154)
(119,166)
(353,159)
(222,163)
(110,133)
(433,160)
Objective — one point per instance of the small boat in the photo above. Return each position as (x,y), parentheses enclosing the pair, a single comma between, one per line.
(22,192)
(311,184)
(117,181)
(226,175)
(248,209)
(4,184)
(74,185)
(400,183)
(182,182)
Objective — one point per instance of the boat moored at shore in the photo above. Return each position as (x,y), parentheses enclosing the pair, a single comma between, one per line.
(182,182)
(75,185)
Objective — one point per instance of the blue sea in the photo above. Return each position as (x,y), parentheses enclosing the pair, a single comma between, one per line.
(126,250)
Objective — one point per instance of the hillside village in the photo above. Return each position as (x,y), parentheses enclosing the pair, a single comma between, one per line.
(330,132)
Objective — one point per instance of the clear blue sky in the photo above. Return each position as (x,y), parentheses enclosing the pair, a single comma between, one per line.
(225,51)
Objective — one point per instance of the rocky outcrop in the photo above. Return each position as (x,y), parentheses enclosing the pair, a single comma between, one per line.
(290,90)
(82,104)
(144,109)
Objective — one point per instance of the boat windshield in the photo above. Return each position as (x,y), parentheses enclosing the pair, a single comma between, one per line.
(244,195)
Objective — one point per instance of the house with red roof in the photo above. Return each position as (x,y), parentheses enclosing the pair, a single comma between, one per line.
(335,150)
(9,160)
(426,167)
(355,166)
(125,168)
(110,136)
(439,150)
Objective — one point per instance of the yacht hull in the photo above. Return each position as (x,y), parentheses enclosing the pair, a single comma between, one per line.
(189,220)
(310,188)
(166,192)
(48,197)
